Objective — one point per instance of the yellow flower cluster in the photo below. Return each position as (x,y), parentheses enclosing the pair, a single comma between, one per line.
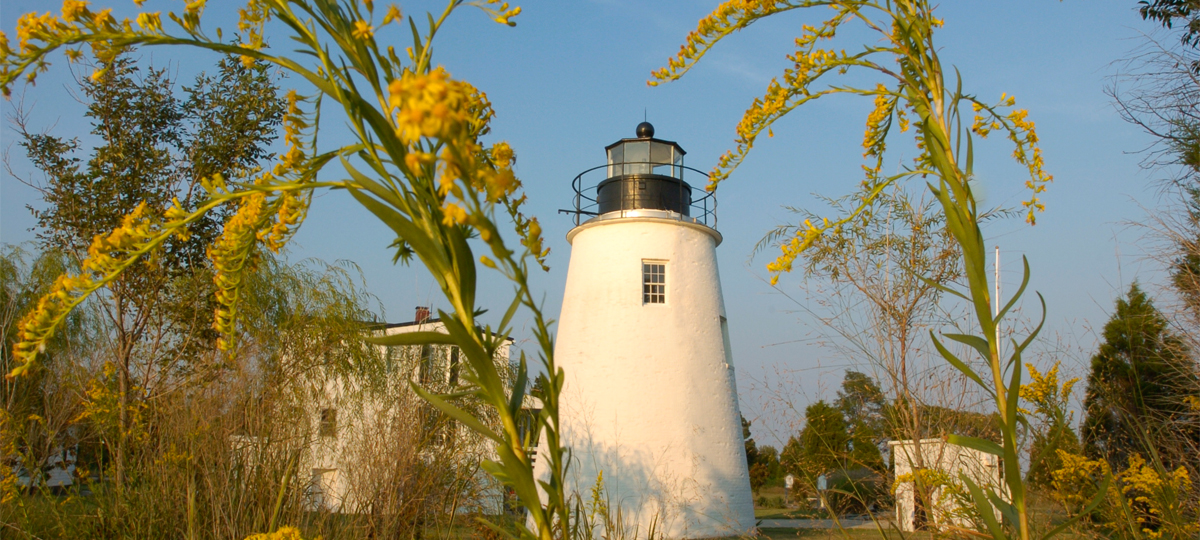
(232,257)
(9,489)
(284,533)
(1045,393)
(32,26)
(809,63)
(1147,491)
(1022,132)
(294,124)
(792,249)
(102,407)
(728,17)
(873,138)
(191,15)
(107,256)
(1074,482)
(150,22)
(433,105)
(1028,153)
(37,34)
(500,11)
(363,30)
(930,479)
(251,20)
(393,14)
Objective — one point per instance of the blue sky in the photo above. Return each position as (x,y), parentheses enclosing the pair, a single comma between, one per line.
(570,79)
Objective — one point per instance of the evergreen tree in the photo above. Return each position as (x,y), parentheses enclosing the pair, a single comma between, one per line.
(1139,387)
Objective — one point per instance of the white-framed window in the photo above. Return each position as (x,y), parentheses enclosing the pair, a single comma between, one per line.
(328,425)
(654,282)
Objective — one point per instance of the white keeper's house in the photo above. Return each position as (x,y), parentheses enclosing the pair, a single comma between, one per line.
(364,431)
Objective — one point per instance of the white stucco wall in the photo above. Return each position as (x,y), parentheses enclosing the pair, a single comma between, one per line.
(650,396)
(331,465)
(936,454)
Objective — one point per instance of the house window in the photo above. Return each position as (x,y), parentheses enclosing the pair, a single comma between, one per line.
(425,367)
(328,427)
(654,282)
(453,367)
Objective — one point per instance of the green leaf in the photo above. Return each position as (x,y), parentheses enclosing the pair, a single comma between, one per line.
(1020,290)
(1006,509)
(974,342)
(518,389)
(958,364)
(512,310)
(407,230)
(983,445)
(1014,391)
(458,414)
(984,508)
(412,338)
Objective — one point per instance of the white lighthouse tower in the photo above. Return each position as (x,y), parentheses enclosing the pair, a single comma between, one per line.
(650,399)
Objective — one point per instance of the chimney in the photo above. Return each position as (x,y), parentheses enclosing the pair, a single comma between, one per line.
(422,314)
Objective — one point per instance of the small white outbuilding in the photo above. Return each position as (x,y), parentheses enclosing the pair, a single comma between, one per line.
(938,464)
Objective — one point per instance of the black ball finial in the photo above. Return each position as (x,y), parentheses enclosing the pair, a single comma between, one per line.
(645,130)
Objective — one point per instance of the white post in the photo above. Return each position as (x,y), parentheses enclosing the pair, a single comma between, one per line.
(996,309)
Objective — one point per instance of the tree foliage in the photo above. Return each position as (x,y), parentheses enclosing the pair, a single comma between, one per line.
(824,440)
(154,150)
(865,410)
(1169,13)
(416,162)
(1141,385)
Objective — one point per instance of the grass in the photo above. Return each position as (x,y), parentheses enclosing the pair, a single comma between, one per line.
(857,534)
(790,513)
(803,511)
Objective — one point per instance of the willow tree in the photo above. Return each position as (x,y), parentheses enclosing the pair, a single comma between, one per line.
(912,90)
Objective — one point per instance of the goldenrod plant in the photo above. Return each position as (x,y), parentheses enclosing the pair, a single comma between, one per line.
(418,164)
(912,91)
(1145,500)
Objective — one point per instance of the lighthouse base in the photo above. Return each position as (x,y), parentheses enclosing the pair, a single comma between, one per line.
(649,404)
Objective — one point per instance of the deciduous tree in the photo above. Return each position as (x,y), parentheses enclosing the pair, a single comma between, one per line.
(154,148)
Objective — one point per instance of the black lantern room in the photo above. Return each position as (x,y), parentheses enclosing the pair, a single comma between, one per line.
(644,174)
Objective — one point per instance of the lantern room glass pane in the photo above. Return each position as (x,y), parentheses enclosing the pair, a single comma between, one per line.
(616,156)
(637,157)
(660,157)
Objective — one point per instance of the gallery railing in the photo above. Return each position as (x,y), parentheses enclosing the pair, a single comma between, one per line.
(588,203)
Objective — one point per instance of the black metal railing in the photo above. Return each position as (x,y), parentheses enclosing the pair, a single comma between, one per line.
(703,210)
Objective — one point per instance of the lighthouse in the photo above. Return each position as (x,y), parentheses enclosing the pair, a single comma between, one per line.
(649,403)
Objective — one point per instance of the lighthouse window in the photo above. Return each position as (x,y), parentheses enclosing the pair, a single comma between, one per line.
(654,282)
